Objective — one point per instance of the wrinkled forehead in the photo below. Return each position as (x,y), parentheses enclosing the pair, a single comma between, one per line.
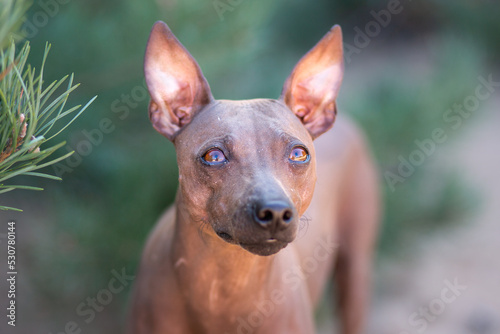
(245,121)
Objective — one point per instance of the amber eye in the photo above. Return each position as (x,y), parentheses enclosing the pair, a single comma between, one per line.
(299,154)
(214,156)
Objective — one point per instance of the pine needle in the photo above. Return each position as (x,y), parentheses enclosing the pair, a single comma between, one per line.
(31,113)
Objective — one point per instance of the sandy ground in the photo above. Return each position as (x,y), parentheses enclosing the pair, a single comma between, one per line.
(413,296)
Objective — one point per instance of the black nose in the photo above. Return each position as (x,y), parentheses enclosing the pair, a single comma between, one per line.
(273,215)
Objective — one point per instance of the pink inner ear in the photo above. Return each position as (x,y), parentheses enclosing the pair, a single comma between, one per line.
(182,99)
(177,87)
(170,90)
(316,90)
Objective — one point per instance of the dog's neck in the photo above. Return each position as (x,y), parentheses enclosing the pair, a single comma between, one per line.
(208,266)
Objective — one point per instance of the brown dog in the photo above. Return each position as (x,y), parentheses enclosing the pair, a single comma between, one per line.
(216,262)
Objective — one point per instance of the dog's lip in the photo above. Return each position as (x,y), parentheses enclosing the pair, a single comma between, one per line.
(225,236)
(265,248)
(269,241)
(264,242)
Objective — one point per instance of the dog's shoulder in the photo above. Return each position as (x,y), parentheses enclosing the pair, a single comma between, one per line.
(159,240)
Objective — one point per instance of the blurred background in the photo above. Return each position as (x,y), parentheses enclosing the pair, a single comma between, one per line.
(412,68)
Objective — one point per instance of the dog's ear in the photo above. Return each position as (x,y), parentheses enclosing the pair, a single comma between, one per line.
(310,91)
(177,87)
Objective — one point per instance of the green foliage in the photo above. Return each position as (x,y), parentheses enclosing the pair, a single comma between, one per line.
(11,14)
(30,113)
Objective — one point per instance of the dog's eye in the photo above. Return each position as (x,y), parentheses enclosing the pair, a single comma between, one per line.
(299,154)
(214,156)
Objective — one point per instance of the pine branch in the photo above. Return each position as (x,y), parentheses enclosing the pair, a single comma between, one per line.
(31,114)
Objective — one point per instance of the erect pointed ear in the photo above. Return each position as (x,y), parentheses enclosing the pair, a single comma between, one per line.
(177,87)
(310,91)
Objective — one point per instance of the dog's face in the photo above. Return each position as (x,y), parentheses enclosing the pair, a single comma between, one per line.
(246,168)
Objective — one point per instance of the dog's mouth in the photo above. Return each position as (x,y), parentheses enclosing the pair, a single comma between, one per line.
(266,247)
(226,237)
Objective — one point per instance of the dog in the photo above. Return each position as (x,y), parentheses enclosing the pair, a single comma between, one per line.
(251,241)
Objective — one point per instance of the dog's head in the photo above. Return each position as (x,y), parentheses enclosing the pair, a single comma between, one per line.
(247,168)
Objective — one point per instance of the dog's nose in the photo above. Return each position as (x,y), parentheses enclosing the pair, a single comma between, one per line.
(273,214)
